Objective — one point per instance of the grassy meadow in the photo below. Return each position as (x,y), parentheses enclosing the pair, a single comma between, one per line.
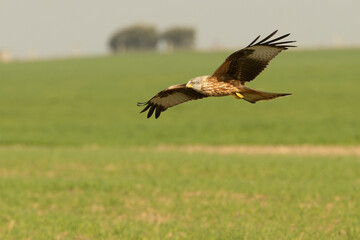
(93,101)
(76,157)
(107,193)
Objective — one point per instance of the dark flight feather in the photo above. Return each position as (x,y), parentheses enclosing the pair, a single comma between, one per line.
(244,65)
(169,97)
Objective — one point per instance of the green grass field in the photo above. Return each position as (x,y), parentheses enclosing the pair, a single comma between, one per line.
(93,101)
(73,163)
(109,193)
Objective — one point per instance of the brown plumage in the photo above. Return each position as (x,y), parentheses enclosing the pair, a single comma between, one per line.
(229,79)
(173,95)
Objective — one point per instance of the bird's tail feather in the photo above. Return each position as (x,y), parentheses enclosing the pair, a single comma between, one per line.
(252,95)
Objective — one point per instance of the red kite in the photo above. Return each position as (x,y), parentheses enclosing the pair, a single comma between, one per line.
(229,79)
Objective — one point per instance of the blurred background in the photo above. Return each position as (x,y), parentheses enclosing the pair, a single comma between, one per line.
(79,161)
(45,29)
(97,59)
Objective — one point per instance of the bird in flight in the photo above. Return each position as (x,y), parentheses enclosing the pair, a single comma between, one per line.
(229,79)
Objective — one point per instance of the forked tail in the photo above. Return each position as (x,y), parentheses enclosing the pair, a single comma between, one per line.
(252,95)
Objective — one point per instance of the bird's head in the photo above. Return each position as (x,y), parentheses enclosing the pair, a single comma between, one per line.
(195,83)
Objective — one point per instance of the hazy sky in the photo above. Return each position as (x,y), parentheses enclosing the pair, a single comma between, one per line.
(48,28)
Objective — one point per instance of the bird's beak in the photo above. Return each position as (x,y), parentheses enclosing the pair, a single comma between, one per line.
(188,85)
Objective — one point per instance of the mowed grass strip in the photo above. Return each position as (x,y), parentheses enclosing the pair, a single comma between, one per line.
(114,193)
(87,101)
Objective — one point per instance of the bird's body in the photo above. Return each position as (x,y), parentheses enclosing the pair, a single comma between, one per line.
(229,79)
(215,88)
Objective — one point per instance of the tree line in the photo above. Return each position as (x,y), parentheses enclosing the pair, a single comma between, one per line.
(146,37)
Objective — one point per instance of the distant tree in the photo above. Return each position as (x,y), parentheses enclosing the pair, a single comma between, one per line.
(179,38)
(137,37)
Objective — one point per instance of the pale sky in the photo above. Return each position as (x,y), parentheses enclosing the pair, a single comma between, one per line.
(50,28)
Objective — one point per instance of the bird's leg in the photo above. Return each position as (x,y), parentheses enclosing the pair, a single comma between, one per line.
(238,95)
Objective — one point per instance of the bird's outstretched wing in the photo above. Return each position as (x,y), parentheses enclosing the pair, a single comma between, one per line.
(245,64)
(169,97)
